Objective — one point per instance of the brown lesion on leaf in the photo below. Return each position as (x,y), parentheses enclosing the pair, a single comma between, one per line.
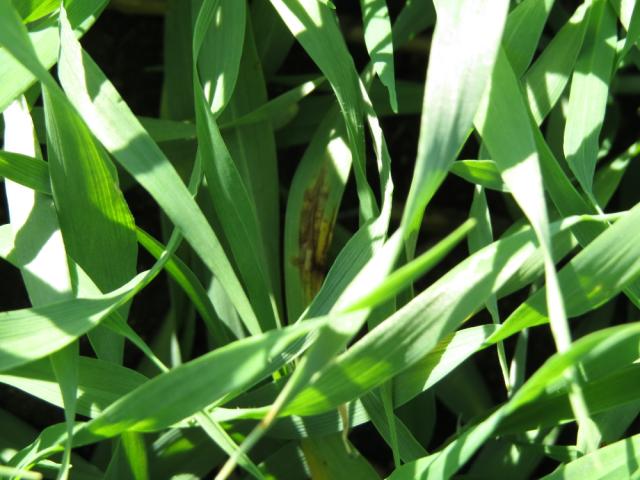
(315,235)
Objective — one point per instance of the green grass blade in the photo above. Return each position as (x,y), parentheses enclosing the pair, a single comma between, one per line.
(220,52)
(31,10)
(161,130)
(602,346)
(618,460)
(25,170)
(65,366)
(379,42)
(111,121)
(167,130)
(427,372)
(198,457)
(183,396)
(315,329)
(589,94)
(82,174)
(62,322)
(479,238)
(480,172)
(273,39)
(604,395)
(130,459)
(522,32)
(253,149)
(278,110)
(26,474)
(409,98)
(404,276)
(591,278)
(29,456)
(407,336)
(329,458)
(15,78)
(414,18)
(470,32)
(568,201)
(408,448)
(607,358)
(222,439)
(608,177)
(504,124)
(190,283)
(548,76)
(332,337)
(46,276)
(29,334)
(180,272)
(315,27)
(629,14)
(99,383)
(414,330)
(445,357)
(235,208)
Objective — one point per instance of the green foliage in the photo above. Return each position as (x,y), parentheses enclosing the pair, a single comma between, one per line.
(317,312)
